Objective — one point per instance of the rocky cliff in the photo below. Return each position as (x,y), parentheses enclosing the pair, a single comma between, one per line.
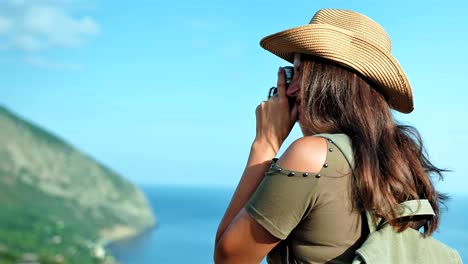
(58,205)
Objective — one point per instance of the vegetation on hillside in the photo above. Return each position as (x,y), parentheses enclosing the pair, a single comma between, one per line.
(55,202)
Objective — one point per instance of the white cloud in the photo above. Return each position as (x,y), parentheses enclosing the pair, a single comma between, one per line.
(37,25)
(27,42)
(198,24)
(5,25)
(44,63)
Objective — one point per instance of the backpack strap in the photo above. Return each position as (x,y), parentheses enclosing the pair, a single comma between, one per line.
(416,207)
(410,208)
(343,142)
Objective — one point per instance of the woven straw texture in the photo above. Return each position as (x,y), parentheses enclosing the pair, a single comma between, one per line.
(353,40)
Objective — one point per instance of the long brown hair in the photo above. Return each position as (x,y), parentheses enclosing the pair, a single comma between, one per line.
(391,165)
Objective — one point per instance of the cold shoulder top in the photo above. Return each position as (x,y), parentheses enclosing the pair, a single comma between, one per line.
(310,211)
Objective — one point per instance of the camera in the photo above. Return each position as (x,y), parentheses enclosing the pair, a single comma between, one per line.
(288,74)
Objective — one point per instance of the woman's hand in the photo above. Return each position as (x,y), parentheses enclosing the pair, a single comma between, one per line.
(274,117)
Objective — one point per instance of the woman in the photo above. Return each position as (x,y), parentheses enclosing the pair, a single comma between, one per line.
(313,198)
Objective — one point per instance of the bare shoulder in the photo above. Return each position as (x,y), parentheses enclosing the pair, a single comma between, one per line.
(307,154)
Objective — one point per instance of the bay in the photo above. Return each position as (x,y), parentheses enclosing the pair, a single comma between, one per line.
(187,221)
(189,216)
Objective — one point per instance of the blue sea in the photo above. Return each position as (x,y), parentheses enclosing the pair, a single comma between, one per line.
(189,216)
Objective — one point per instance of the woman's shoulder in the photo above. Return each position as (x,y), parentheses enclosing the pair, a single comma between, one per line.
(307,153)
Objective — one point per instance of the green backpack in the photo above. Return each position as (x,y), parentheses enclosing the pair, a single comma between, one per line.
(384,245)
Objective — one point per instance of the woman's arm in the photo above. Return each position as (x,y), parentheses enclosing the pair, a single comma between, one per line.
(274,123)
(258,162)
(239,238)
(244,241)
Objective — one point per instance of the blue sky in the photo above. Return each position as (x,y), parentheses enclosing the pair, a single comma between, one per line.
(164,92)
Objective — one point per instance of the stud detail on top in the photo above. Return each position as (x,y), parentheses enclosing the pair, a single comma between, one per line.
(325,165)
(318,176)
(330,149)
(275,168)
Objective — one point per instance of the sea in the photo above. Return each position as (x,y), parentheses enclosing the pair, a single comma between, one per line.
(189,216)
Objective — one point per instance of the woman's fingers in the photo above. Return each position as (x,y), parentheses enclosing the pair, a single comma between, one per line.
(281,83)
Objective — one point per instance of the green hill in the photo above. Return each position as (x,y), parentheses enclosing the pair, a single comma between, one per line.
(56,204)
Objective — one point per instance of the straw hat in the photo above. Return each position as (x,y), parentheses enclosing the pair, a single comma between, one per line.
(353,40)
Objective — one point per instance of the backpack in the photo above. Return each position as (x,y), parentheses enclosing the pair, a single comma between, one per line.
(383,244)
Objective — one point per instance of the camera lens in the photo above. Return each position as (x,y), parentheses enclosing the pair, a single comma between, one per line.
(288,73)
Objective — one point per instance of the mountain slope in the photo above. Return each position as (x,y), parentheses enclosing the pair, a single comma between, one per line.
(56,204)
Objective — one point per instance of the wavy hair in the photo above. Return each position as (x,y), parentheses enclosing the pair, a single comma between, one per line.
(391,165)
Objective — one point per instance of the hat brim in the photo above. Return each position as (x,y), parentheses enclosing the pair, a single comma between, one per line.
(344,47)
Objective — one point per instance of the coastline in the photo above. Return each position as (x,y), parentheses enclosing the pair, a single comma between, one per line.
(120,233)
(115,234)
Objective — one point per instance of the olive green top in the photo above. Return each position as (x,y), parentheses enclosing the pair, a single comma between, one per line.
(312,210)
